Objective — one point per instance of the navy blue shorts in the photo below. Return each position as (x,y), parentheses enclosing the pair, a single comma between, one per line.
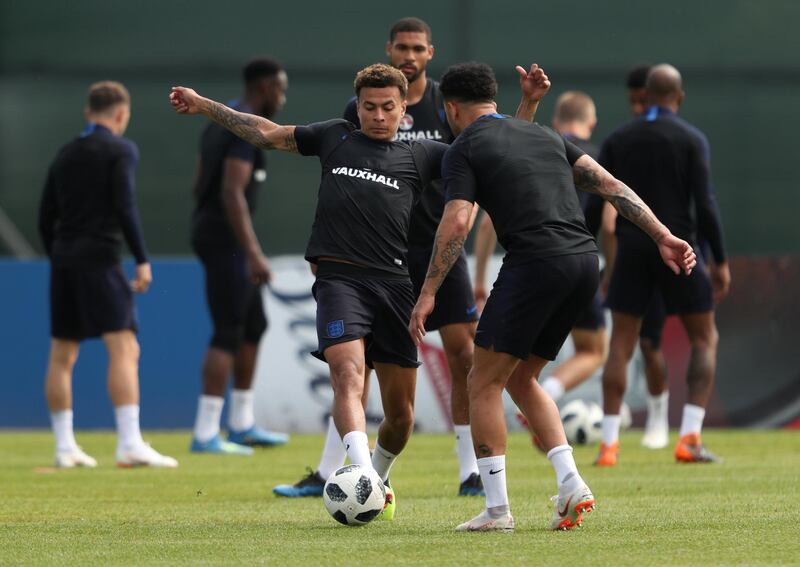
(593,318)
(235,304)
(534,304)
(355,302)
(653,322)
(455,301)
(89,302)
(639,273)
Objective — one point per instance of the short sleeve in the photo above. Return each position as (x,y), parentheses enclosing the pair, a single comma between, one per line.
(311,138)
(242,150)
(351,112)
(457,174)
(428,156)
(573,152)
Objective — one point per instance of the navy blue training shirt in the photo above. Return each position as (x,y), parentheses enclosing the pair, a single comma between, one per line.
(666,161)
(366,194)
(424,120)
(520,173)
(88,205)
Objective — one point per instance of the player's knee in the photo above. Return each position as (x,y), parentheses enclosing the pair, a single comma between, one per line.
(401,416)
(347,378)
(706,340)
(461,360)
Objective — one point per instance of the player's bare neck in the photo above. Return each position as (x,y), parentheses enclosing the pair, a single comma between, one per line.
(416,90)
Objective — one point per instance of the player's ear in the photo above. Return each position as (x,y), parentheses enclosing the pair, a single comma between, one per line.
(681,97)
(389,49)
(430,52)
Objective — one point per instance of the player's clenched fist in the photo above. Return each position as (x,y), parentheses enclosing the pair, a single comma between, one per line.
(185,100)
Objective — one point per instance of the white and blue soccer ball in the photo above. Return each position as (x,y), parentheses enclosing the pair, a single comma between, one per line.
(354,495)
(583,421)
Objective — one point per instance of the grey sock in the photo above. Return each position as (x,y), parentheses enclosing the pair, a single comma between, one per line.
(498,511)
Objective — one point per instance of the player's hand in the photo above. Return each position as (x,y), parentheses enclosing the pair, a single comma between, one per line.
(677,254)
(422,309)
(720,280)
(534,83)
(481,294)
(258,268)
(185,100)
(142,278)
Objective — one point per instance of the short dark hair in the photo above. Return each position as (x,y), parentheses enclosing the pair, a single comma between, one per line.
(410,25)
(261,68)
(379,76)
(637,77)
(573,106)
(469,82)
(105,95)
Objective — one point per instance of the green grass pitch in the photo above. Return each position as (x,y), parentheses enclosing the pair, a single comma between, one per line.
(220,511)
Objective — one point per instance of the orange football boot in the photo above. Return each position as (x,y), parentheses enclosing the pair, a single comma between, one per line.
(608,455)
(691,450)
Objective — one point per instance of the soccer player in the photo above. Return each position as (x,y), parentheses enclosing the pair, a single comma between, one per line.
(230,174)
(656,429)
(574,118)
(369,185)
(522,175)
(410,49)
(667,160)
(87,208)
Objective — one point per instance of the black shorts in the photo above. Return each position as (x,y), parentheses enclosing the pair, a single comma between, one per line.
(534,304)
(235,304)
(653,322)
(640,272)
(89,302)
(593,318)
(455,302)
(355,302)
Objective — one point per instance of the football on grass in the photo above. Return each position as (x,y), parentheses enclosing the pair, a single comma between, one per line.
(354,495)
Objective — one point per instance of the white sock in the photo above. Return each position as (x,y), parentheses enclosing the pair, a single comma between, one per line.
(553,387)
(333,454)
(467,463)
(241,417)
(493,475)
(567,476)
(209,412)
(611,429)
(356,444)
(382,461)
(62,429)
(692,421)
(128,433)
(657,411)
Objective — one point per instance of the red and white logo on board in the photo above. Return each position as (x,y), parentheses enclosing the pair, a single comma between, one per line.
(406,122)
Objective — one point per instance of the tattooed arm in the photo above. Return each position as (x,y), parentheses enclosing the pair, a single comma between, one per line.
(450,238)
(591,177)
(254,129)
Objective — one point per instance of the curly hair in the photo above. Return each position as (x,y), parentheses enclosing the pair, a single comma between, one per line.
(380,75)
(469,82)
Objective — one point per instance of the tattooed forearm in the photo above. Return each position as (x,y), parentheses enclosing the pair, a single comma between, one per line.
(289,143)
(441,262)
(586,178)
(592,178)
(246,126)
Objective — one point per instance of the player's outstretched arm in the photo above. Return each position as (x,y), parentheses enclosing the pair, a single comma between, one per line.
(592,177)
(534,84)
(450,238)
(253,129)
